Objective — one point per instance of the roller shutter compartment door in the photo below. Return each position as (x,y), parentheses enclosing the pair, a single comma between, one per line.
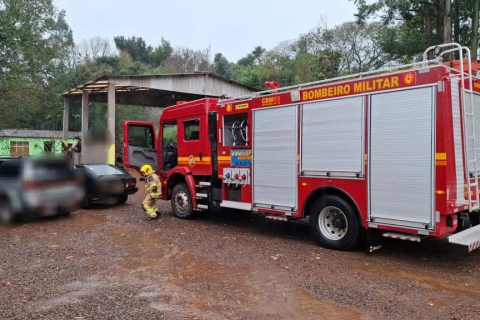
(401,157)
(275,157)
(476,114)
(332,137)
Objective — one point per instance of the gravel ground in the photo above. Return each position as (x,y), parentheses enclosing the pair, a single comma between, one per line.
(109,263)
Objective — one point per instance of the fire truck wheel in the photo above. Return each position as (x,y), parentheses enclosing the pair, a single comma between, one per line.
(334,223)
(182,201)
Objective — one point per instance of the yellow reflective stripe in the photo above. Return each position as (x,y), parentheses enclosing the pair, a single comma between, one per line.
(441,156)
(183,159)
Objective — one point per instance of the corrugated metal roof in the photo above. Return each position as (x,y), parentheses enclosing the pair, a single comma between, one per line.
(194,83)
(14,133)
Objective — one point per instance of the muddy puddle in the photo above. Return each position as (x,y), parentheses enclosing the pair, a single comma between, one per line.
(198,286)
(82,221)
(421,278)
(122,231)
(175,281)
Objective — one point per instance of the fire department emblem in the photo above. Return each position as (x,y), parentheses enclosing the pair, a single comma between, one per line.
(409,78)
(191,161)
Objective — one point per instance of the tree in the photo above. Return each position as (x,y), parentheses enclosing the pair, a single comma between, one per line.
(185,60)
(34,45)
(125,59)
(423,23)
(359,46)
(136,47)
(94,48)
(222,67)
(253,58)
(475,29)
(160,53)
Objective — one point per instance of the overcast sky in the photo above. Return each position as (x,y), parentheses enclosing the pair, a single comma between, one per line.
(233,28)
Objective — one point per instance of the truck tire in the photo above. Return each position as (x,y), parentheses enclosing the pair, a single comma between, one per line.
(6,213)
(182,202)
(334,224)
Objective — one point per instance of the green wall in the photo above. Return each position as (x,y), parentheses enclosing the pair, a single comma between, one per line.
(35,145)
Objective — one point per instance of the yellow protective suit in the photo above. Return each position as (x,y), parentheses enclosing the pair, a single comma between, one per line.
(154,192)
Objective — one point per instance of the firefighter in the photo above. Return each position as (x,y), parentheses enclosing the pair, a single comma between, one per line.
(154,191)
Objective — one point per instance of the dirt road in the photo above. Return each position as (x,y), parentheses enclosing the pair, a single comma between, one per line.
(108,263)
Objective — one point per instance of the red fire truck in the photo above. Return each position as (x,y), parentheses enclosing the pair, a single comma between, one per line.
(390,153)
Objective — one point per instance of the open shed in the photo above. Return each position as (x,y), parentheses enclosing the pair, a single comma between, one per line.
(143,90)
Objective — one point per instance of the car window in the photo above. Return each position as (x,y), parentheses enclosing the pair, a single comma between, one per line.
(51,170)
(103,170)
(10,169)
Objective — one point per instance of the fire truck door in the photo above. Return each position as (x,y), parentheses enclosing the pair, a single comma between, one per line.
(139,144)
(194,149)
(402,157)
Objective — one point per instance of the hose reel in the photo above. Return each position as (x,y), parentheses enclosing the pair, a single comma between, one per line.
(239,132)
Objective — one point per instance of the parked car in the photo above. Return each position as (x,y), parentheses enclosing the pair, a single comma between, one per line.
(36,186)
(107,184)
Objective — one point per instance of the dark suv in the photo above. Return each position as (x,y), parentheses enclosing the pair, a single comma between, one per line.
(38,186)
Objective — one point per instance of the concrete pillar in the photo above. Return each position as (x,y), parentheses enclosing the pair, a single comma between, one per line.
(84,113)
(66,112)
(111,123)
(84,152)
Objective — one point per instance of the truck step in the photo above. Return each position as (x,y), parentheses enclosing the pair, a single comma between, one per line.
(402,236)
(276,217)
(202,206)
(203,184)
(469,238)
(201,196)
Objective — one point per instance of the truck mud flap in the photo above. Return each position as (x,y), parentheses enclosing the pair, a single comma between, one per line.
(469,238)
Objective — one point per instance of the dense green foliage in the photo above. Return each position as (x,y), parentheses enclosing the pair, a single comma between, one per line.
(39,59)
(414,25)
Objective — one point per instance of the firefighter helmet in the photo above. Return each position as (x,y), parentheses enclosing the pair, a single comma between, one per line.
(146,169)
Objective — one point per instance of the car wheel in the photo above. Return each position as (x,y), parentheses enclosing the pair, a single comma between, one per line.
(64,213)
(122,199)
(86,203)
(6,213)
(182,202)
(334,224)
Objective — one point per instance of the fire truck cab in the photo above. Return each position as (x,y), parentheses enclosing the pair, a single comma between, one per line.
(388,153)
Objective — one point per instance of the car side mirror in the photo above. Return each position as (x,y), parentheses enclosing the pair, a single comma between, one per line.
(142,179)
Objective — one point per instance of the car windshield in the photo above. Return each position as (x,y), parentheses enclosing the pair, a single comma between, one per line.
(104,169)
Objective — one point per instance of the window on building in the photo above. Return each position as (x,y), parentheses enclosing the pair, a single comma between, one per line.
(19,148)
(48,146)
(191,129)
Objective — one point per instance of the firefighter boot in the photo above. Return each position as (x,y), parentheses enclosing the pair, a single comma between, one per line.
(150,211)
